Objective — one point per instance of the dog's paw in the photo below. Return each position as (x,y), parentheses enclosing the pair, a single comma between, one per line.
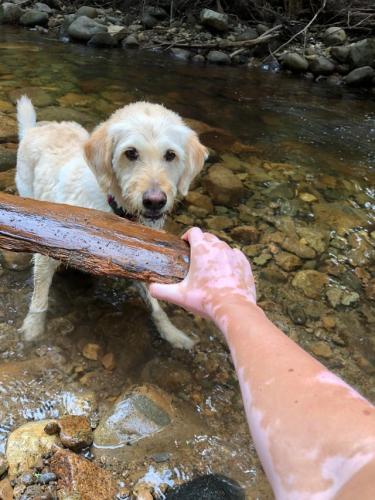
(33,325)
(177,338)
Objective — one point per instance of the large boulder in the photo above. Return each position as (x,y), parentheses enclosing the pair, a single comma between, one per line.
(10,13)
(360,76)
(142,412)
(334,36)
(83,28)
(26,445)
(33,18)
(294,62)
(320,65)
(215,20)
(224,187)
(362,53)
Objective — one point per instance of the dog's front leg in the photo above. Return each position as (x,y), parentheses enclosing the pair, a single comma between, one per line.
(163,324)
(34,323)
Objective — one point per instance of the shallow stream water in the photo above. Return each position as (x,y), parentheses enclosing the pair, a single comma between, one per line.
(305,154)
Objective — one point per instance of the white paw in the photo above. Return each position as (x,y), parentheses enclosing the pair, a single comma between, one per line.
(176,337)
(33,325)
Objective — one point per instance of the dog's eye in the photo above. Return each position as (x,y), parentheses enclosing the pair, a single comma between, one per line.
(170,155)
(132,154)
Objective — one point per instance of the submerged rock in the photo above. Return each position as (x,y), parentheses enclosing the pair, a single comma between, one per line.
(201,201)
(209,487)
(310,282)
(142,412)
(297,314)
(321,349)
(298,247)
(8,129)
(288,261)
(245,234)
(8,158)
(218,57)
(15,261)
(79,478)
(223,186)
(26,445)
(92,351)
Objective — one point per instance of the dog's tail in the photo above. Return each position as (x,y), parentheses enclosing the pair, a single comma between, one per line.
(26,115)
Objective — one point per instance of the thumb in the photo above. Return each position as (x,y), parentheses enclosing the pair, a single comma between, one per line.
(170,293)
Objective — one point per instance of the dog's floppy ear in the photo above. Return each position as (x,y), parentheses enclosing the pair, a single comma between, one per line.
(196,155)
(98,153)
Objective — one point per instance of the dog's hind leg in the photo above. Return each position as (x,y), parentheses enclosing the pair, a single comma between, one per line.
(163,324)
(34,323)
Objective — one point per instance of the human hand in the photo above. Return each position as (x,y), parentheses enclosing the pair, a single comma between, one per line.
(217,274)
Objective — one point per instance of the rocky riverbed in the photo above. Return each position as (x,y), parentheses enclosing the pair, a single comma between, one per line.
(206,37)
(103,404)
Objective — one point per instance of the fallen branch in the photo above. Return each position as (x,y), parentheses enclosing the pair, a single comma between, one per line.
(265,34)
(96,242)
(225,44)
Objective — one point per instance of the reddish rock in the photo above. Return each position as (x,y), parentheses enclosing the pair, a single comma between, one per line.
(77,477)
(75,432)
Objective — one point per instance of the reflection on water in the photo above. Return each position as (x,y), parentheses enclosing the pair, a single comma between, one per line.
(304,155)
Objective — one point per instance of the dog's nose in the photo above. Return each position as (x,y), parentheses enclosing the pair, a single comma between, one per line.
(154,199)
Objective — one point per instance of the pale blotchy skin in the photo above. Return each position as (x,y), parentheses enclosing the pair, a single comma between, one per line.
(315,435)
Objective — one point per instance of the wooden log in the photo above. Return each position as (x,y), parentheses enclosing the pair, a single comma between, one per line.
(94,241)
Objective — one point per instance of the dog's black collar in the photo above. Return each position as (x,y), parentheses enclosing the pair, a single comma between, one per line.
(119,210)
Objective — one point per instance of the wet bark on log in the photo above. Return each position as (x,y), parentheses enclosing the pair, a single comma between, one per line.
(94,241)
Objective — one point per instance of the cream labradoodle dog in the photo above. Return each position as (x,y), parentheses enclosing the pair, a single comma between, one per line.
(133,164)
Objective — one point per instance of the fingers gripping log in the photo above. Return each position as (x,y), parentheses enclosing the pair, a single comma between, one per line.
(91,240)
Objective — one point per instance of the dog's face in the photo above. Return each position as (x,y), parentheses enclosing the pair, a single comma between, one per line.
(142,156)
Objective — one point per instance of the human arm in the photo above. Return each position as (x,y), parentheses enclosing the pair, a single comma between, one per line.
(315,435)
